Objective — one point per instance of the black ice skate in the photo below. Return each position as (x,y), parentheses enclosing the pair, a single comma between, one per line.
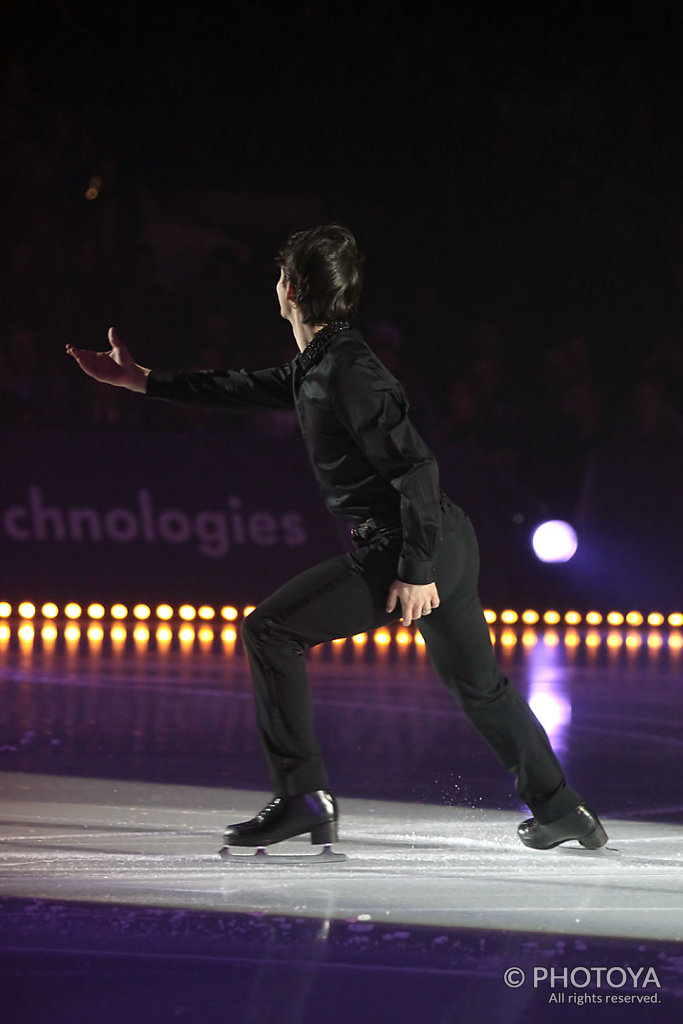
(581,824)
(284,818)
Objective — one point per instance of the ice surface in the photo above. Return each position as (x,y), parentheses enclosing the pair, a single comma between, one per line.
(64,838)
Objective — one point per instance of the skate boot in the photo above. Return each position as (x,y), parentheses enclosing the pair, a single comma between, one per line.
(288,816)
(582,824)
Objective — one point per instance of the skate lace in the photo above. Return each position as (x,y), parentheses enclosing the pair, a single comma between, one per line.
(269,808)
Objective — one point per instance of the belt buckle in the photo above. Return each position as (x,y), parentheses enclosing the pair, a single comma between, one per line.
(364,529)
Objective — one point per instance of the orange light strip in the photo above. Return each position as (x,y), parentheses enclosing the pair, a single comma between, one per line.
(509,619)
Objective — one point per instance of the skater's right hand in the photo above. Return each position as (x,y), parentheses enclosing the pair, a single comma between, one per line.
(415,599)
(116,366)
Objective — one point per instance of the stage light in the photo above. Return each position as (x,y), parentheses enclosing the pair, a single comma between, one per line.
(572,638)
(26,634)
(48,634)
(338,640)
(228,634)
(5,633)
(554,541)
(550,638)
(5,610)
(93,189)
(614,640)
(141,634)
(654,641)
(508,638)
(118,636)
(95,634)
(186,636)
(675,641)
(593,639)
(633,641)
(27,610)
(164,635)
(529,638)
(72,634)
(205,636)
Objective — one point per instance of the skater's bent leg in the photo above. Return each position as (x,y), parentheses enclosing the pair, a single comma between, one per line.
(458,640)
(330,600)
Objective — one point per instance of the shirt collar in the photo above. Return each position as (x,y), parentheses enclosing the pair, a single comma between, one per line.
(318,343)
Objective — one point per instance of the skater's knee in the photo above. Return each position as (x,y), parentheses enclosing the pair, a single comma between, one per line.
(254,629)
(260,631)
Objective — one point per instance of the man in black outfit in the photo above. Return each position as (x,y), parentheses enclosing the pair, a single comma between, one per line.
(415,552)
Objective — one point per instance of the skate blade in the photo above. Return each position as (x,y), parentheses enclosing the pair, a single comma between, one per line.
(260,858)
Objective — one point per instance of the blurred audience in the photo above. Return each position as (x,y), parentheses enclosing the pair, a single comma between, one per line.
(33,391)
(388,341)
(86,247)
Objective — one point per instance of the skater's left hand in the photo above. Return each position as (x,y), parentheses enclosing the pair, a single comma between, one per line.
(416,599)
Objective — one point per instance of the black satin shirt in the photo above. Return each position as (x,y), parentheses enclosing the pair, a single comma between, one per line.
(368,459)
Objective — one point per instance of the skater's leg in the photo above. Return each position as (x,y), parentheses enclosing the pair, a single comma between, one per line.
(458,640)
(338,598)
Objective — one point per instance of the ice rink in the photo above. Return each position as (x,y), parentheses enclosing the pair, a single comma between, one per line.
(124,755)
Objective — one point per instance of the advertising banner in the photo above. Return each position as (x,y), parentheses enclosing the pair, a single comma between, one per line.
(108,514)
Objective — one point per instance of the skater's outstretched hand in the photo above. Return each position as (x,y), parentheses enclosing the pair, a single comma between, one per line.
(116,366)
(416,599)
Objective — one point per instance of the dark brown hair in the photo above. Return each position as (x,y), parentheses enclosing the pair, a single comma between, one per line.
(324,267)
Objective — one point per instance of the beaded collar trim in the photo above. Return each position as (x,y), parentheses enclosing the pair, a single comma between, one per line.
(313,351)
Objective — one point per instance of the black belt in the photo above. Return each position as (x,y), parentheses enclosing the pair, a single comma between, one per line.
(371,531)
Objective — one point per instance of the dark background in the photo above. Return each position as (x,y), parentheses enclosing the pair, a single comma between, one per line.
(512,172)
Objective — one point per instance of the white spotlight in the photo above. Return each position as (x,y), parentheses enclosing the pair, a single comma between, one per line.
(554,541)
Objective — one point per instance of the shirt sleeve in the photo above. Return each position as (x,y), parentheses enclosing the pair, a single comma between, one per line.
(234,390)
(370,403)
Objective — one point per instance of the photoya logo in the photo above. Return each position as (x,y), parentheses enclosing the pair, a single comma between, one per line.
(214,531)
(613,984)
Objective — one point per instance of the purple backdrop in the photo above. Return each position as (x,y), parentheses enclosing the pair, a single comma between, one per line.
(107,514)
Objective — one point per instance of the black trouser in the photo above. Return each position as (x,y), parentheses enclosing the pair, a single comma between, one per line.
(347,595)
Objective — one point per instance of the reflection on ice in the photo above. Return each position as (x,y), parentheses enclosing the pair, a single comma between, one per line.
(548,693)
